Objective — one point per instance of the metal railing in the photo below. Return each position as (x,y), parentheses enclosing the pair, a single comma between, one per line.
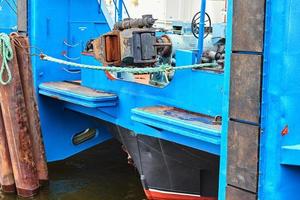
(119,5)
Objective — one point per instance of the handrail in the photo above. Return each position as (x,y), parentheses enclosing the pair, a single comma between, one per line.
(118,10)
(201,31)
(126,10)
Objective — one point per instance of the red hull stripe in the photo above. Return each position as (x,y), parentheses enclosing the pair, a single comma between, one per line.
(161,195)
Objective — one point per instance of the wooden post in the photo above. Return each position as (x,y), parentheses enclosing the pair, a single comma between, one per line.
(18,134)
(22,11)
(7,180)
(24,63)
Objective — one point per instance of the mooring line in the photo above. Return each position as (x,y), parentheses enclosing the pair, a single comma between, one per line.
(135,70)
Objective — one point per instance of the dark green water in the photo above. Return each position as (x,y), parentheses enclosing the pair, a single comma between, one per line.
(101,173)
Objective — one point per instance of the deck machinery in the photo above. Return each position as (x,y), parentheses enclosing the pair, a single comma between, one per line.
(227,132)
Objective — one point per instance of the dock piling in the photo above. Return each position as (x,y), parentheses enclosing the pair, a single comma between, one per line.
(7,181)
(25,70)
(17,130)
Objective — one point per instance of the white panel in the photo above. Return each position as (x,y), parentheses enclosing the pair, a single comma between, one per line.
(176,10)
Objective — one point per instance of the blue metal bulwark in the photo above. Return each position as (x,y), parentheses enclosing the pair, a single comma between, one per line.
(280,139)
(8,16)
(60,34)
(133,95)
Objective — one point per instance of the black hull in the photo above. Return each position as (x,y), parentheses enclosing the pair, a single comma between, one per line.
(170,167)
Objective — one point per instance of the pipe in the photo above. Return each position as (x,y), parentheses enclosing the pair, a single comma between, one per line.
(120,11)
(201,31)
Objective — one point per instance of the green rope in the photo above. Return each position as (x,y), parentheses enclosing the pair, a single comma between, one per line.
(135,70)
(6,53)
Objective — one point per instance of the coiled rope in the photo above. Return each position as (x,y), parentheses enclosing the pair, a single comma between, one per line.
(6,53)
(134,70)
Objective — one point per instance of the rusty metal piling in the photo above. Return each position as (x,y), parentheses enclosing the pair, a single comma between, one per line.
(25,70)
(21,123)
(7,181)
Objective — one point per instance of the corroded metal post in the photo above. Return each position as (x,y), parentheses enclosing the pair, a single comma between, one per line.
(7,180)
(18,134)
(25,69)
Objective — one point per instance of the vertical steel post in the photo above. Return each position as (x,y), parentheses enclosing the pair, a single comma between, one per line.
(18,133)
(7,181)
(120,10)
(201,30)
(25,71)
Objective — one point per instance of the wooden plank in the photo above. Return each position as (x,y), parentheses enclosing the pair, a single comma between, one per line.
(22,16)
(245,87)
(18,135)
(7,180)
(248,25)
(243,147)
(25,70)
(237,194)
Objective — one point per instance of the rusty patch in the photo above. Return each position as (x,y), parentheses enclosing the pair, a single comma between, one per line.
(243,146)
(107,49)
(245,87)
(76,89)
(183,115)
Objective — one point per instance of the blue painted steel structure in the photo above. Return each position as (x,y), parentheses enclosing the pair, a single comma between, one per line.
(78,28)
(201,30)
(50,33)
(8,16)
(279,155)
(279,164)
(225,109)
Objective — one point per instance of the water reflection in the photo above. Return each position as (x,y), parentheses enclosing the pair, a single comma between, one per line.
(101,173)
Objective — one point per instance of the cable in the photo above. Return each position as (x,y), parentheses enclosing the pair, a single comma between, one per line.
(15,3)
(11,7)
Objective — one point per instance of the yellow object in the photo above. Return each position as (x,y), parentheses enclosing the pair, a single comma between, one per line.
(135,2)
